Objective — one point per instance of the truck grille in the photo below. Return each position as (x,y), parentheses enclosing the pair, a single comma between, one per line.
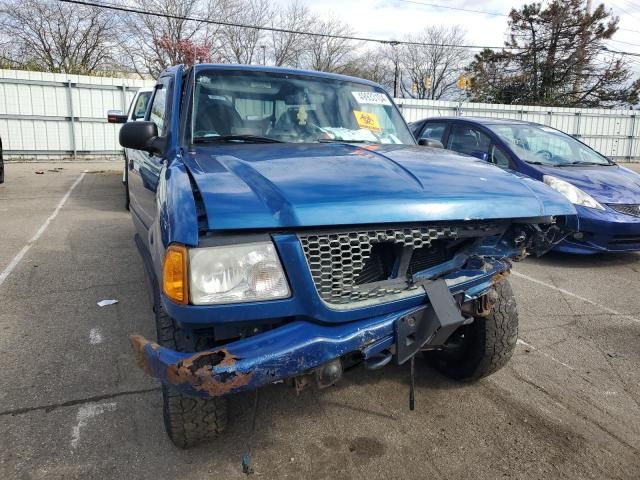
(627,209)
(356,266)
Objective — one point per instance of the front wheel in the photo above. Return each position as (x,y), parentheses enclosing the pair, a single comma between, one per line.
(187,420)
(485,346)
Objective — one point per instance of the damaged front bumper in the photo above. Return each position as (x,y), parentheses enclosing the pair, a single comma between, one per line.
(302,347)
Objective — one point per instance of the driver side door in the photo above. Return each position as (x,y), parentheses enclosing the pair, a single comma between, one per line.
(144,167)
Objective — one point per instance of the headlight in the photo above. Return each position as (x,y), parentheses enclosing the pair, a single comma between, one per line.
(236,273)
(573,194)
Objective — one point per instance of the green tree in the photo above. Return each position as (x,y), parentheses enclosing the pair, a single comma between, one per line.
(555,56)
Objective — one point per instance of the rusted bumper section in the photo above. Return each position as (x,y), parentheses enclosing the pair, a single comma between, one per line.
(290,350)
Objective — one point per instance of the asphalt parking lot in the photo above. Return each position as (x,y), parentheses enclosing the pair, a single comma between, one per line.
(73,405)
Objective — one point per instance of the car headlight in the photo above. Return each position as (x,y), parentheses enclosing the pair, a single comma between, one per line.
(572,193)
(236,273)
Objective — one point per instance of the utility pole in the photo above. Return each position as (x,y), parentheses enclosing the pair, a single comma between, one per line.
(395,79)
(264,54)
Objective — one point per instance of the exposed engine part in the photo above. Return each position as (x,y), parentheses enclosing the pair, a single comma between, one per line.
(537,239)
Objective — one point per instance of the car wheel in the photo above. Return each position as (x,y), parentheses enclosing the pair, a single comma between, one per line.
(187,420)
(483,347)
(125,181)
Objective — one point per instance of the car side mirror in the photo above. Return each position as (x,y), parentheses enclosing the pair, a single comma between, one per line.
(480,154)
(142,136)
(116,116)
(430,142)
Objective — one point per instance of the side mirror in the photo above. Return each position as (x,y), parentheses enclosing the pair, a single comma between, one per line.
(142,136)
(116,116)
(430,142)
(480,154)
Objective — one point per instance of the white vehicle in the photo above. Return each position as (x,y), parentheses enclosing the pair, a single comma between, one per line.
(137,111)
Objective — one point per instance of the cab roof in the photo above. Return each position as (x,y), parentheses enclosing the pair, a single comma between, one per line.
(282,70)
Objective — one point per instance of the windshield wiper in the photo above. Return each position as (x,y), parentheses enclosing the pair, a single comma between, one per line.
(236,138)
(573,164)
(337,140)
(535,162)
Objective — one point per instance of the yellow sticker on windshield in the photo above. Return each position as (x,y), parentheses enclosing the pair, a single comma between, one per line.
(368,121)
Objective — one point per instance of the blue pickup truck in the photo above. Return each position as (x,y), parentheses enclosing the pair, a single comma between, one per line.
(291,227)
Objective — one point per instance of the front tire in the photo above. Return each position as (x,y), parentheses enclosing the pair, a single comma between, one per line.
(187,420)
(477,350)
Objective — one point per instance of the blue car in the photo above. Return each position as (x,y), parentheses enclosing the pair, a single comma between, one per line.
(606,195)
(291,227)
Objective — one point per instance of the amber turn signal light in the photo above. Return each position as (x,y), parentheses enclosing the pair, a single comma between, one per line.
(174,274)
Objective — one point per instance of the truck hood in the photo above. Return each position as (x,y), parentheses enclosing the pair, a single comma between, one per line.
(607,184)
(292,185)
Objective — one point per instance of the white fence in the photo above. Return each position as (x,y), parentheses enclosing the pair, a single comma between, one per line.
(51,115)
(45,115)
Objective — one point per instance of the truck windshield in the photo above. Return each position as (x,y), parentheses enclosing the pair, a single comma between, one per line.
(547,146)
(242,106)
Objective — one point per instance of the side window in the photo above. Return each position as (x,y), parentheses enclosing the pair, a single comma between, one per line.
(468,140)
(158,112)
(434,131)
(500,157)
(140,107)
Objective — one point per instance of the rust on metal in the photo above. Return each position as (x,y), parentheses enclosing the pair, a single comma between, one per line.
(500,276)
(196,370)
(138,343)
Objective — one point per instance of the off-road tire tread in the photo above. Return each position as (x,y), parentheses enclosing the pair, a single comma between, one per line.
(493,344)
(187,420)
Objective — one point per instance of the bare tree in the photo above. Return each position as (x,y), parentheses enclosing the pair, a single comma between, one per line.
(431,70)
(373,64)
(56,37)
(329,54)
(152,43)
(288,48)
(239,44)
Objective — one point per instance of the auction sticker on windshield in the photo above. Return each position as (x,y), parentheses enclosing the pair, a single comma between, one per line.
(367,120)
(371,98)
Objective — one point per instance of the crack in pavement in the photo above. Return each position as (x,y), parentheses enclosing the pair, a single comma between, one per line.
(78,401)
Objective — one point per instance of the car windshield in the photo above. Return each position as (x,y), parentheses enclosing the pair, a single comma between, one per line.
(547,146)
(243,106)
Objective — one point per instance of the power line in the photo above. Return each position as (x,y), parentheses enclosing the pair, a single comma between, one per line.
(435,5)
(630,54)
(274,29)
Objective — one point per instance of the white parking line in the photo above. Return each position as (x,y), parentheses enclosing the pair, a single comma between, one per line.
(16,260)
(528,345)
(571,294)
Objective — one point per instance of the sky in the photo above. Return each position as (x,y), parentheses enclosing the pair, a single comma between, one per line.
(391,19)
